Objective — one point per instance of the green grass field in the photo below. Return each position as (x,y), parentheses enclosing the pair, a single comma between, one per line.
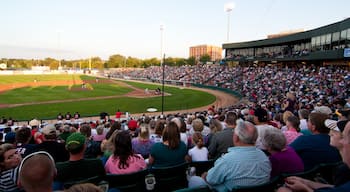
(180,99)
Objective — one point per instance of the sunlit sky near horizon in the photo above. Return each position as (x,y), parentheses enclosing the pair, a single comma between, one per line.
(75,29)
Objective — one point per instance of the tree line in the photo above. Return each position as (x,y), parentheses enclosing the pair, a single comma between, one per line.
(114,61)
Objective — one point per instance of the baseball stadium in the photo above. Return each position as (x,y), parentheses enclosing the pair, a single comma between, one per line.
(272,115)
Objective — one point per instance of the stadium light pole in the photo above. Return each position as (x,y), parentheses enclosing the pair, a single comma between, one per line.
(162,64)
(228,8)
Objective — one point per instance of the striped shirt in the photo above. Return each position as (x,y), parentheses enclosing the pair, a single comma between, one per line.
(8,180)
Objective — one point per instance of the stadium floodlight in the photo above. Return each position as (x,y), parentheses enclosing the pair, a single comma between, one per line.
(161,42)
(228,8)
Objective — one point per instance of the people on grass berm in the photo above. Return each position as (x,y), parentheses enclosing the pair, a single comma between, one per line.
(243,165)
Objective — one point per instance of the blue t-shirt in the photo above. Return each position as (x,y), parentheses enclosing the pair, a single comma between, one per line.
(315,149)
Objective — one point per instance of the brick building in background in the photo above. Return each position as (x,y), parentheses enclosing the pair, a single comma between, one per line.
(214,52)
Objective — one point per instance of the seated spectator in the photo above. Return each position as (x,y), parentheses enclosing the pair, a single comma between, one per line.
(37,172)
(243,165)
(84,187)
(315,149)
(183,130)
(65,132)
(157,136)
(55,149)
(23,136)
(100,135)
(124,160)
(283,158)
(260,121)
(199,152)
(222,140)
(142,144)
(93,148)
(298,184)
(342,172)
(9,163)
(171,151)
(78,168)
(215,126)
(293,130)
(303,116)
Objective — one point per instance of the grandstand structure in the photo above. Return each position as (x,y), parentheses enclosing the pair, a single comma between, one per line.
(326,45)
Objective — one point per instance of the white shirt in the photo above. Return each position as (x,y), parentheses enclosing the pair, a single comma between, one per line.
(198,154)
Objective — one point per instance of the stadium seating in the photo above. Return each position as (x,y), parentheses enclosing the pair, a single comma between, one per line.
(202,166)
(128,182)
(170,178)
(266,187)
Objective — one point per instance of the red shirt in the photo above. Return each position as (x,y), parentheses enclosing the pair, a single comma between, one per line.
(118,114)
(132,125)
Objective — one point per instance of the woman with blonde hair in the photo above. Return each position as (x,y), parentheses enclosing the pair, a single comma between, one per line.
(142,144)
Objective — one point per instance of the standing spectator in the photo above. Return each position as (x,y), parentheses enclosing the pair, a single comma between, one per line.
(124,160)
(118,115)
(171,151)
(290,103)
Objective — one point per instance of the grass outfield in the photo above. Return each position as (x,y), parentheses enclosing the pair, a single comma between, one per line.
(180,99)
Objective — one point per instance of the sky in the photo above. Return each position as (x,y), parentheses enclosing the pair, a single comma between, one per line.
(77,29)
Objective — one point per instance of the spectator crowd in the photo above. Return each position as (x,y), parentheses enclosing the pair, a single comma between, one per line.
(291,120)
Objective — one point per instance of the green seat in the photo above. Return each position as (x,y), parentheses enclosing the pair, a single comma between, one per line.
(266,187)
(310,174)
(128,182)
(170,178)
(202,166)
(326,171)
(97,180)
(195,189)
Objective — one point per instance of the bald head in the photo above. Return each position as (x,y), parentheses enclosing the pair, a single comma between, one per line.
(37,172)
(246,133)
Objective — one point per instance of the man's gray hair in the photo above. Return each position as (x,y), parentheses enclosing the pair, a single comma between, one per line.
(246,132)
(274,139)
